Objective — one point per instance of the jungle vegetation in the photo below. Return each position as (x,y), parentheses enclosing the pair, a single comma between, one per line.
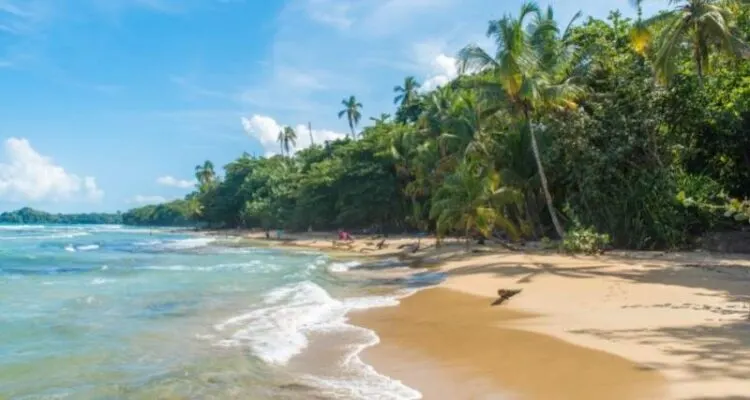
(634,129)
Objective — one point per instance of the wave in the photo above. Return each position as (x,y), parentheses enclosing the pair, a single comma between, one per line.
(249,266)
(178,244)
(69,235)
(101,281)
(21,227)
(88,247)
(280,329)
(124,229)
(343,266)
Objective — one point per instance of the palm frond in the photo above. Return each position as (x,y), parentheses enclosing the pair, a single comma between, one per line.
(473,59)
(668,47)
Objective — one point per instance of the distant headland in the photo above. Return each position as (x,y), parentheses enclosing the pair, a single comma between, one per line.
(155,215)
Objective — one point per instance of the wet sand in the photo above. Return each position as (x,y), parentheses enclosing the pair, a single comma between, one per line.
(452,345)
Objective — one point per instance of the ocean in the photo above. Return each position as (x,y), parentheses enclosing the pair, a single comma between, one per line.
(113,312)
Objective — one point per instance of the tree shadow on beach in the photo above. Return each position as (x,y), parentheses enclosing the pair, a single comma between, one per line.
(710,351)
(730,281)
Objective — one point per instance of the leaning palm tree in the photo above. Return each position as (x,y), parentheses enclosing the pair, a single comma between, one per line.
(351,110)
(704,24)
(525,75)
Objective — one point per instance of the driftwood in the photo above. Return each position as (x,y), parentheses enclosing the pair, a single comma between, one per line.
(412,247)
(505,294)
(381,244)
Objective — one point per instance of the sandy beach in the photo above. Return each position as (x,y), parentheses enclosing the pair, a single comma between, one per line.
(626,325)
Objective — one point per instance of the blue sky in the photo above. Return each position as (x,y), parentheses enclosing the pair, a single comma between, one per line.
(109,104)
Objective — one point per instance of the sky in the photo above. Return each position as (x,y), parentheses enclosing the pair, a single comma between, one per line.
(107,105)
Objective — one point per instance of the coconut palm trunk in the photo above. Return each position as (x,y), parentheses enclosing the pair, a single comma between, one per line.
(309,129)
(698,54)
(543,177)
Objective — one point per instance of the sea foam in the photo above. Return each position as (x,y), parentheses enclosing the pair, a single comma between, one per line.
(279,329)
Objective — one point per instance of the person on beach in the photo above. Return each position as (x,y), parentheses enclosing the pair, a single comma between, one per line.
(345,236)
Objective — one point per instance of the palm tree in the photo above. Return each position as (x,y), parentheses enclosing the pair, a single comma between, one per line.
(527,73)
(287,140)
(472,199)
(702,23)
(205,173)
(351,110)
(382,119)
(407,93)
(280,141)
(407,99)
(640,34)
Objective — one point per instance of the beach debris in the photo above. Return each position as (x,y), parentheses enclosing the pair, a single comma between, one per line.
(411,247)
(381,244)
(505,294)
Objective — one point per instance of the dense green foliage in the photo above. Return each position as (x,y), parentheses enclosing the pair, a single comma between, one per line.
(174,213)
(637,130)
(31,216)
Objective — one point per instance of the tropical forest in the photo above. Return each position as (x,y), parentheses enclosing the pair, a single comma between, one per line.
(629,132)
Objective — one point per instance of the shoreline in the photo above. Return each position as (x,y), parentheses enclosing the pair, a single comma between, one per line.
(449,344)
(682,316)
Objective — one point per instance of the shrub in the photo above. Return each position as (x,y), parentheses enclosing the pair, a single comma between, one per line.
(738,210)
(585,240)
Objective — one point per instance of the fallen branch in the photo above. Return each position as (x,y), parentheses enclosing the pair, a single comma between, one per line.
(505,294)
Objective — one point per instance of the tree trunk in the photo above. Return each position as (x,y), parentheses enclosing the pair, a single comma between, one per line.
(468,238)
(309,129)
(698,56)
(543,178)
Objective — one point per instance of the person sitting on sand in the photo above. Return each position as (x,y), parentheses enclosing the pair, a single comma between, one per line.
(345,236)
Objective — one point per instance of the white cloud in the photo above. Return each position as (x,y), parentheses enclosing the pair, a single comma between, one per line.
(169,180)
(330,12)
(266,131)
(144,200)
(444,70)
(26,175)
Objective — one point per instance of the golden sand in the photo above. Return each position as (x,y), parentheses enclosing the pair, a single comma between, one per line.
(682,314)
(451,345)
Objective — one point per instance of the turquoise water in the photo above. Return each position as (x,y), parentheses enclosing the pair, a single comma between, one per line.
(110,312)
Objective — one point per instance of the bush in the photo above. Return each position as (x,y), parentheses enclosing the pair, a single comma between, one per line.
(585,240)
(738,210)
